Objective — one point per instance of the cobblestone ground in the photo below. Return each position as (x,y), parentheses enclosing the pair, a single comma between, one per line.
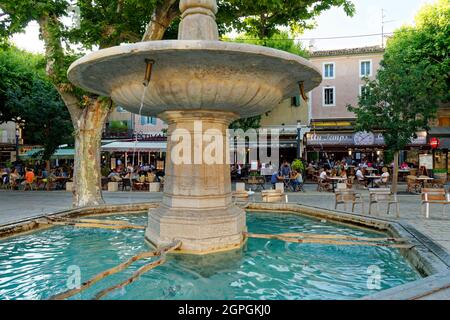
(16,205)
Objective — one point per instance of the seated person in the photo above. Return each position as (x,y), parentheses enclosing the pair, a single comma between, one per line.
(360,176)
(13,177)
(276,177)
(344,174)
(29,177)
(114,176)
(297,180)
(151,177)
(404,166)
(323,179)
(384,178)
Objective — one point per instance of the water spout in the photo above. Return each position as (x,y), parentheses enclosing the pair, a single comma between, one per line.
(148,71)
(301,85)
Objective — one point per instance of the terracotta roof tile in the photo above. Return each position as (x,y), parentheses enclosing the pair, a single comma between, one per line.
(343,52)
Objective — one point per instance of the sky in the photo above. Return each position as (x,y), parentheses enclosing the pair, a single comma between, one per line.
(332,23)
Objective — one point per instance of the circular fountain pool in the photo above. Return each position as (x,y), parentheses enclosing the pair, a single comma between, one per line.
(42,264)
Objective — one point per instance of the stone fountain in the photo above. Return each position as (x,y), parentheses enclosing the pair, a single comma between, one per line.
(198,85)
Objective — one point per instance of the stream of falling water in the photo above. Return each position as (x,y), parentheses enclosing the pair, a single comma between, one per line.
(144,93)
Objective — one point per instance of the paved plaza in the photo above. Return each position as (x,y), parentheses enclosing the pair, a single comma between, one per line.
(16,206)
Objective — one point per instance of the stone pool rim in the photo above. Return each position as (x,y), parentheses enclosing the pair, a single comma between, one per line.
(426,256)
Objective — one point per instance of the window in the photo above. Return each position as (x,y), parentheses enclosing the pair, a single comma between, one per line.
(148,120)
(365,68)
(363,89)
(328,70)
(329,97)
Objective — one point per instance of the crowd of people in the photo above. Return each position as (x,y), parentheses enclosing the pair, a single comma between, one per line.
(144,173)
(292,178)
(23,177)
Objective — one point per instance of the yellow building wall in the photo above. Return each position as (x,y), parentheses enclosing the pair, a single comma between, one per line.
(286,114)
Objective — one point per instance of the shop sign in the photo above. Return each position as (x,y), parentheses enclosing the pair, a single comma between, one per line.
(435,143)
(355,139)
(7,148)
(426,160)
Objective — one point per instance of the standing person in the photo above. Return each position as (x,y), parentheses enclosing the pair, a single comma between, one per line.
(286,170)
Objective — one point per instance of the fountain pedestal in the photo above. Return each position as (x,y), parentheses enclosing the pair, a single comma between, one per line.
(197,206)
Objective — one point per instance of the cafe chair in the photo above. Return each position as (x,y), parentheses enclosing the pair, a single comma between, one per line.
(434,196)
(383,195)
(345,197)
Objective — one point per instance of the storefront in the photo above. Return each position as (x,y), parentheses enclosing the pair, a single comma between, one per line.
(356,146)
(440,141)
(7,154)
(130,153)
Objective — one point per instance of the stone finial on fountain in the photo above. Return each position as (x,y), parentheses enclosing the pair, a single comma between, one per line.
(198,20)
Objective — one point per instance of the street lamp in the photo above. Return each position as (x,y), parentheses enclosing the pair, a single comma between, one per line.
(19,124)
(299,132)
(17,145)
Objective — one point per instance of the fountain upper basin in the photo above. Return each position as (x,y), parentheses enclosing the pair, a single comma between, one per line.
(195,74)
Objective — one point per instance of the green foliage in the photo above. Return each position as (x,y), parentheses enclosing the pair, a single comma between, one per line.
(26,93)
(280,40)
(107,23)
(412,82)
(298,165)
(247,123)
(440,171)
(118,126)
(264,18)
(105,171)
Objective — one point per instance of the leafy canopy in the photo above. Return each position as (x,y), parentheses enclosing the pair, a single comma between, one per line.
(264,18)
(26,94)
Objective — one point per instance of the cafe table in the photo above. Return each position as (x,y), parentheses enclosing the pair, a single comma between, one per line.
(403,173)
(335,180)
(372,178)
(424,180)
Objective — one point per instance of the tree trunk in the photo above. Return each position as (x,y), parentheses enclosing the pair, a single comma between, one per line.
(87,171)
(161,19)
(395,173)
(88,124)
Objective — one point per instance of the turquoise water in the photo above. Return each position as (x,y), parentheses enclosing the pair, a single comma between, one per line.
(39,265)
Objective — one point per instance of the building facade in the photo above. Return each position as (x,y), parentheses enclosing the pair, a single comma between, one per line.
(8,143)
(288,118)
(332,133)
(132,139)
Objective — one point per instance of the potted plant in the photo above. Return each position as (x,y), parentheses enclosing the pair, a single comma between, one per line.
(298,166)
(440,174)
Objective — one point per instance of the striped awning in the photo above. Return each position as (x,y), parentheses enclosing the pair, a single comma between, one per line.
(131,146)
(59,154)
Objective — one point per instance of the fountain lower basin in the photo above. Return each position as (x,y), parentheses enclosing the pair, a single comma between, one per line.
(39,265)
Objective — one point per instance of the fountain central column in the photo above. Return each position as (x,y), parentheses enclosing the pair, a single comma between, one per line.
(197,207)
